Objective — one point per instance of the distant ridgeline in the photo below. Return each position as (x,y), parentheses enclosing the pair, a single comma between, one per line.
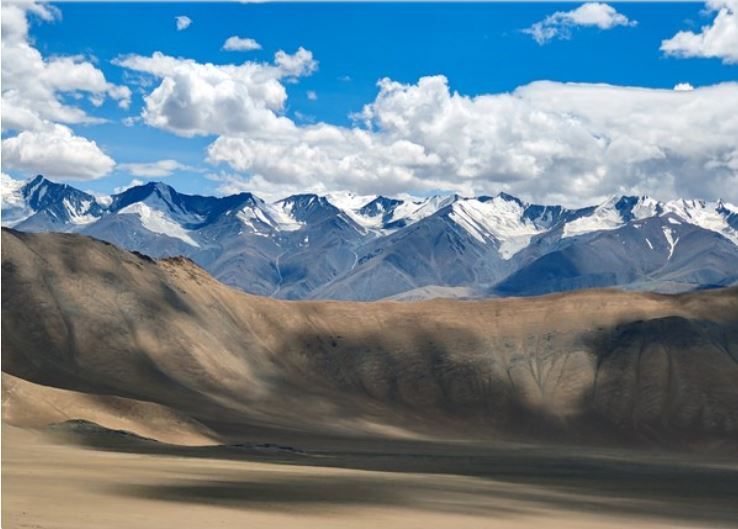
(344,246)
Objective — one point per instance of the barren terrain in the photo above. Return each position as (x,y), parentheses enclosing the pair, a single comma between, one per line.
(139,393)
(89,480)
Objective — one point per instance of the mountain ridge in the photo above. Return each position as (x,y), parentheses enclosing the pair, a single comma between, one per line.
(594,365)
(347,246)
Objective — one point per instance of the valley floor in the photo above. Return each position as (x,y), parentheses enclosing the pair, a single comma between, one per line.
(104,480)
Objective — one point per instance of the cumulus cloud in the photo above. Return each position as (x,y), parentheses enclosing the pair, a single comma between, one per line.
(298,64)
(158,169)
(195,99)
(560,24)
(240,44)
(546,141)
(182,22)
(716,40)
(683,87)
(311,95)
(33,87)
(55,151)
(554,142)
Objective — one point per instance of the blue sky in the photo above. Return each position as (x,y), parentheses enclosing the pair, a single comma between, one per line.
(479,48)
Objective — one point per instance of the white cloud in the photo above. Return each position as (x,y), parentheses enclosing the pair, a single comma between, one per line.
(158,169)
(299,64)
(553,142)
(311,95)
(56,152)
(683,87)
(241,44)
(32,84)
(592,14)
(133,183)
(183,22)
(33,87)
(201,99)
(717,40)
(546,141)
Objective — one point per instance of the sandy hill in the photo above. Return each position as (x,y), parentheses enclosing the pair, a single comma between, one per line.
(107,331)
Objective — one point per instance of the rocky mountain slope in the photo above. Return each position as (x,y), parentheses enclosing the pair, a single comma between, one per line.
(599,365)
(343,246)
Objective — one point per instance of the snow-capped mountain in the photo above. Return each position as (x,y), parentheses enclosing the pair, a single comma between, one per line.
(42,205)
(348,246)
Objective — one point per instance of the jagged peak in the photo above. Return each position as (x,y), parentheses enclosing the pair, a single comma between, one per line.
(38,179)
(511,198)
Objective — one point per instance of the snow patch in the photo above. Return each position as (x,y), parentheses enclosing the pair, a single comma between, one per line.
(282,216)
(412,212)
(604,217)
(669,236)
(175,213)
(79,215)
(706,215)
(645,208)
(351,204)
(607,217)
(347,201)
(157,221)
(496,219)
(251,216)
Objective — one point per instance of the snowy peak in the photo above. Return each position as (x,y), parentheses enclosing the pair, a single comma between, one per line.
(504,197)
(264,219)
(355,207)
(369,247)
(547,217)
(380,206)
(60,204)
(162,210)
(157,221)
(317,212)
(612,214)
(410,212)
(720,217)
(160,196)
(307,207)
(348,201)
(162,199)
(140,194)
(371,213)
(503,220)
(641,208)
(499,219)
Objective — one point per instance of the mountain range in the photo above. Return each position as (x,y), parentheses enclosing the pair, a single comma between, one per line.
(346,246)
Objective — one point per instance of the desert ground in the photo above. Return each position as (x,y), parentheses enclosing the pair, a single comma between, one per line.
(71,479)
